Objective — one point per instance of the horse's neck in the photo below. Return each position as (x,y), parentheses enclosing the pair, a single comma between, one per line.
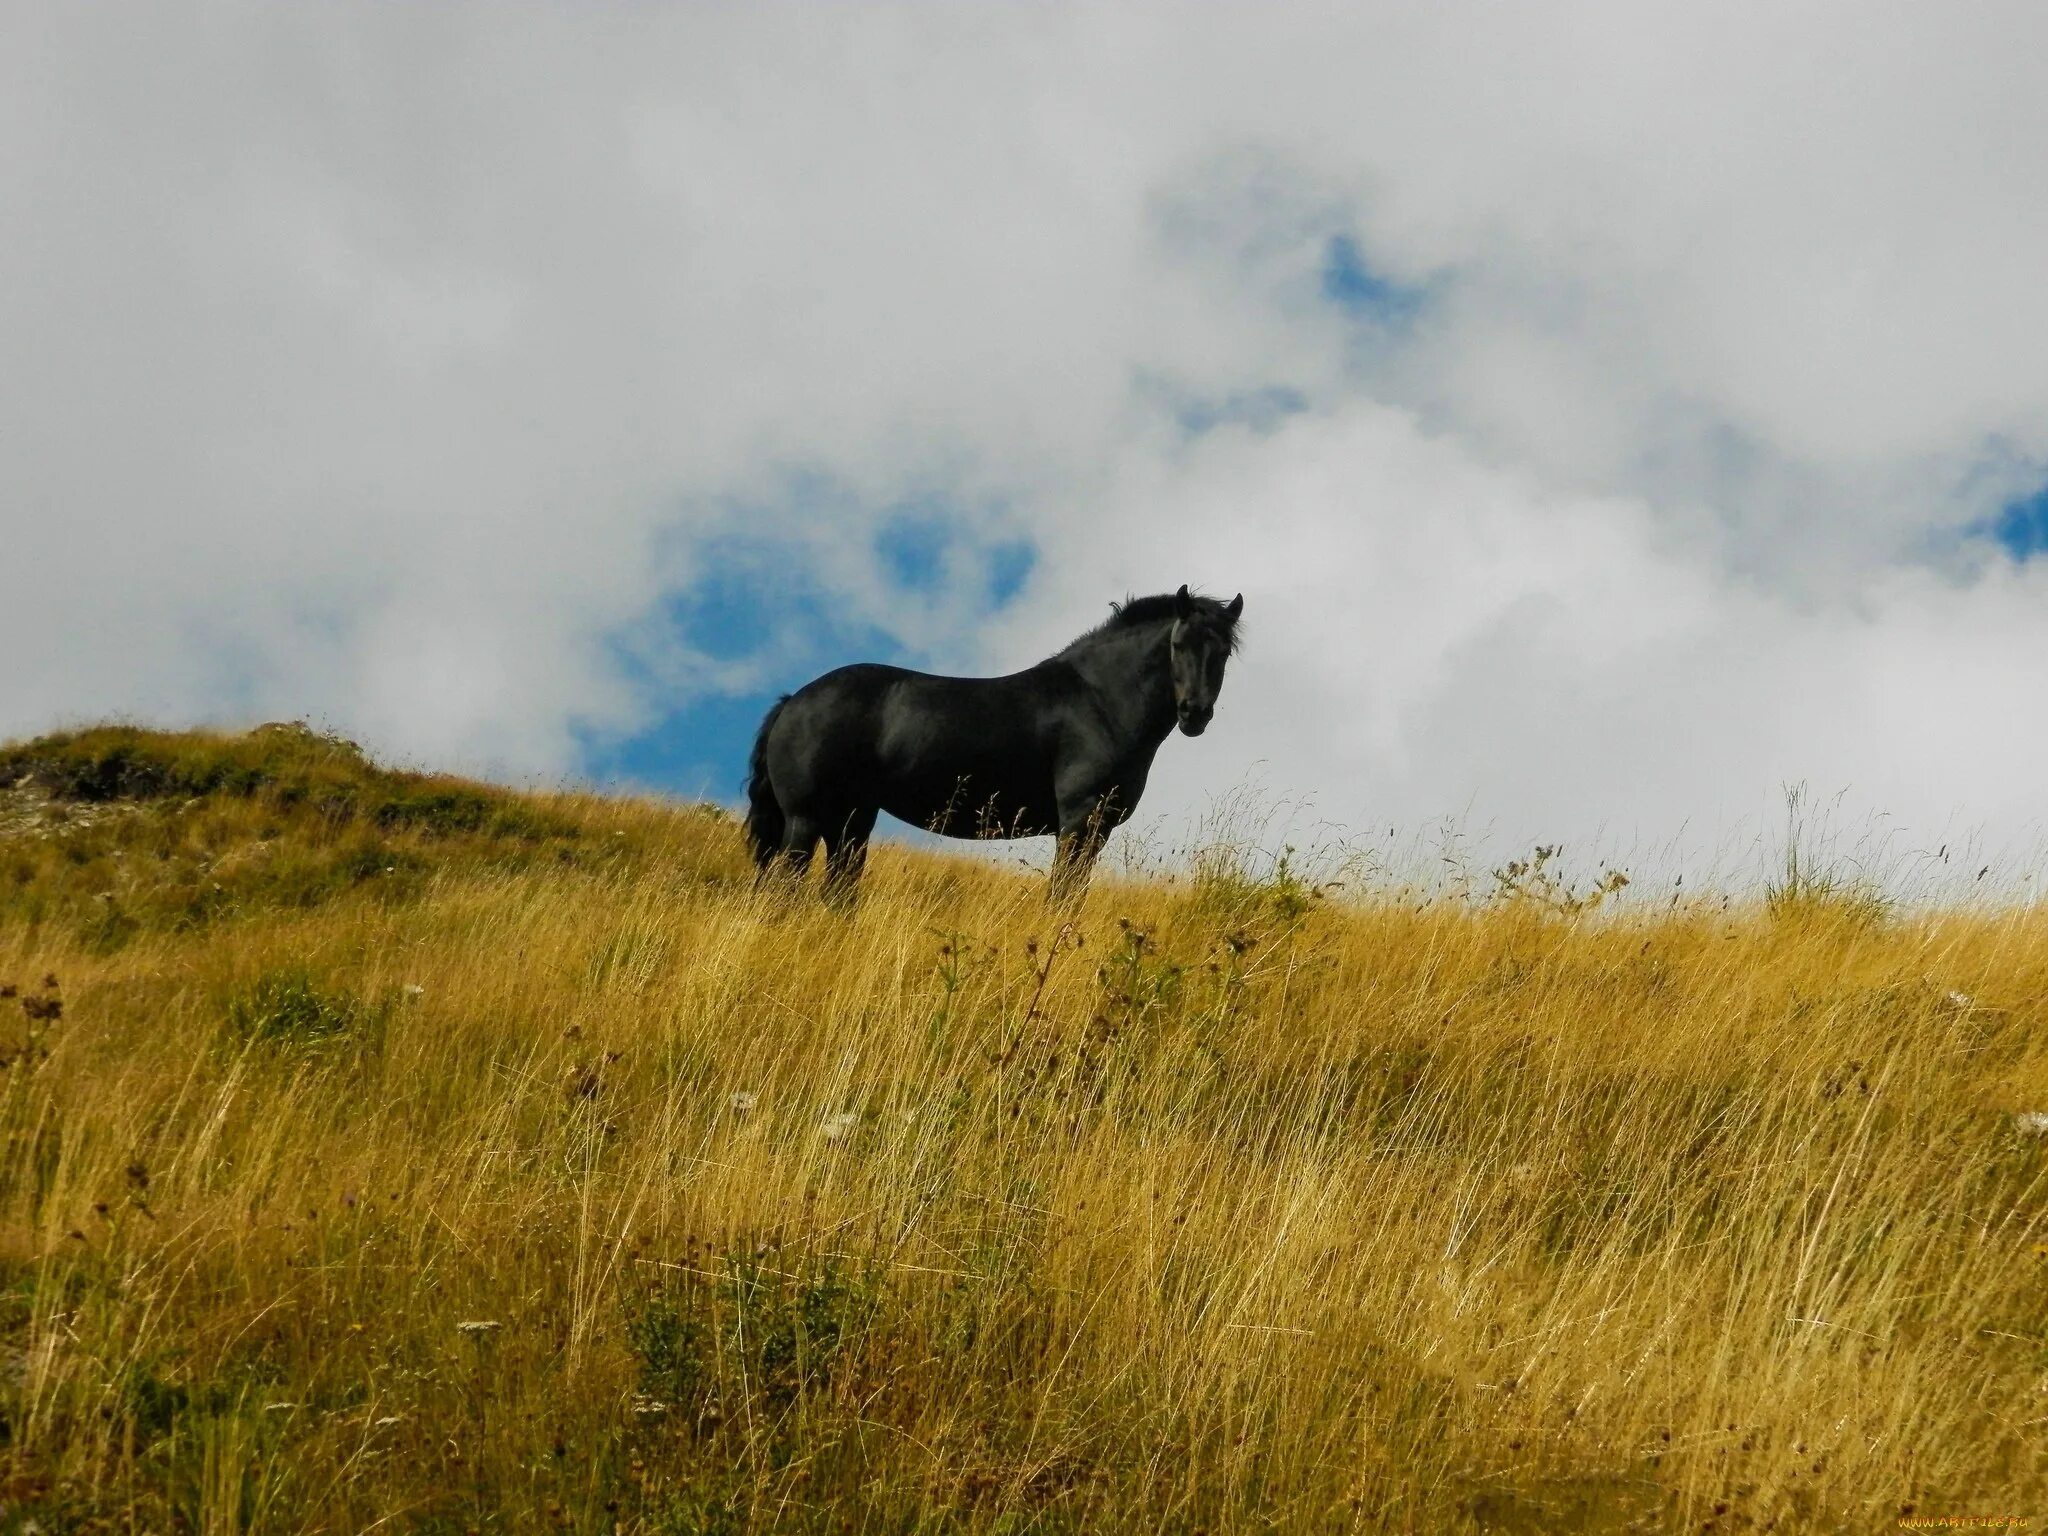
(1129,670)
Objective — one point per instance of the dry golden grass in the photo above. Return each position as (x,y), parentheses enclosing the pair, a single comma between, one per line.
(555,1179)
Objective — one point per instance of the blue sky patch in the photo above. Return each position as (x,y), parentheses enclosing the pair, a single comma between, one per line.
(1010,565)
(921,552)
(762,610)
(2021,527)
(913,552)
(1261,410)
(699,753)
(728,615)
(1350,283)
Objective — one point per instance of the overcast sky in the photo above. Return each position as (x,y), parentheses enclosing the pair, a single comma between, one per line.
(1612,413)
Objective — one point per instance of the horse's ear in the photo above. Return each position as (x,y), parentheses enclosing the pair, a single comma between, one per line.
(1234,607)
(1180,601)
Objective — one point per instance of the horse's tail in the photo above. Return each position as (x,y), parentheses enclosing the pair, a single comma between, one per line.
(764,814)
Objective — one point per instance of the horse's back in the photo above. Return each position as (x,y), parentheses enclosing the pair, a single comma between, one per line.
(926,748)
(832,721)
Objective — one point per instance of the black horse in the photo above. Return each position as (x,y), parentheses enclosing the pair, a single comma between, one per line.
(1060,748)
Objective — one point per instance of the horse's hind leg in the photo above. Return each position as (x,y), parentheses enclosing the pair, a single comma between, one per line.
(846,854)
(800,835)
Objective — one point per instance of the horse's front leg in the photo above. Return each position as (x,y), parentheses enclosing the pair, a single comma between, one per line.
(1081,839)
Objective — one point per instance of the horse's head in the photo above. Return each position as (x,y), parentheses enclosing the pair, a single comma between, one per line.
(1204,636)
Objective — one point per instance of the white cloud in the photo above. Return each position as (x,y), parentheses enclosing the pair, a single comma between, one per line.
(1442,638)
(382,364)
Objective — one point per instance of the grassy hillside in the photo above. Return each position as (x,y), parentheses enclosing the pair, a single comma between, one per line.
(377,1148)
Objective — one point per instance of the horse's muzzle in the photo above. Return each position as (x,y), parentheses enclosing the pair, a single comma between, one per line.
(1194,721)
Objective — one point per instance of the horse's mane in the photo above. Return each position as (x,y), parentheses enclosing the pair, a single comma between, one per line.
(1160,607)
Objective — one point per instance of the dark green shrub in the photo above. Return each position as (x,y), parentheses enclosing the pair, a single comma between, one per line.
(286,1007)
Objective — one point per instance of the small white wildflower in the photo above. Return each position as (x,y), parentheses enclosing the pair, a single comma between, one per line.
(1961,1000)
(838,1127)
(648,1405)
(2031,1122)
(475,1328)
(413,990)
(743,1102)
